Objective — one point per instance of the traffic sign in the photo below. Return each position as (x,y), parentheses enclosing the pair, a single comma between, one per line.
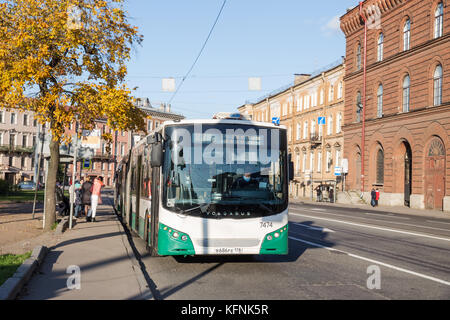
(276,120)
(86,164)
(337,171)
(322,120)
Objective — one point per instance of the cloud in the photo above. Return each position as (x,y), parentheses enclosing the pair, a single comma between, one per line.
(332,26)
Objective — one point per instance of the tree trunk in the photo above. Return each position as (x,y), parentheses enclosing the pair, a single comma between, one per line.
(50,200)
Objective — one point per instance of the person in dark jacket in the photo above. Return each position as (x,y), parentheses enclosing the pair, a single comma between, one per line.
(86,195)
(373,196)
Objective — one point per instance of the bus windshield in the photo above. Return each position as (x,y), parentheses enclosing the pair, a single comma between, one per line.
(225,170)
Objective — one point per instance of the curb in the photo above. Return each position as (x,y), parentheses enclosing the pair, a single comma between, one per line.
(64,225)
(11,288)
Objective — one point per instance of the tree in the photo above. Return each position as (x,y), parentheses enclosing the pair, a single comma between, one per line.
(64,59)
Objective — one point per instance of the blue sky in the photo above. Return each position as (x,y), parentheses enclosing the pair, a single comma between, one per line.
(253,38)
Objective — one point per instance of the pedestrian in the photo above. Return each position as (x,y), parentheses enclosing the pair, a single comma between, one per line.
(86,196)
(331,195)
(95,197)
(319,193)
(377,197)
(373,195)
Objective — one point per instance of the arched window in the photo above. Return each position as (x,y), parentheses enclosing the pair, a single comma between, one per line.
(358,57)
(340,90)
(380,167)
(439,21)
(380,45)
(407,35)
(406,93)
(380,101)
(359,107)
(437,79)
(339,123)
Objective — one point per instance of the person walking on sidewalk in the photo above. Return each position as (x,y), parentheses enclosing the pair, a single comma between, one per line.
(373,195)
(95,197)
(86,195)
(377,197)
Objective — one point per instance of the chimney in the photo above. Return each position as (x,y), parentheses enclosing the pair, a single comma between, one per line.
(299,78)
(168,108)
(162,107)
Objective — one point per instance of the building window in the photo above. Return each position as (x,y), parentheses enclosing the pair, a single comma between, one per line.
(380,167)
(305,130)
(380,101)
(339,123)
(299,131)
(330,125)
(331,93)
(437,79)
(319,161)
(329,160)
(380,45)
(13,118)
(359,106)
(2,116)
(407,35)
(358,57)
(340,90)
(311,162)
(25,120)
(297,164)
(338,158)
(406,93)
(24,140)
(322,96)
(304,162)
(439,21)
(313,128)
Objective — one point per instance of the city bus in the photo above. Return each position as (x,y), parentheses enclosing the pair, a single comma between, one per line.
(208,187)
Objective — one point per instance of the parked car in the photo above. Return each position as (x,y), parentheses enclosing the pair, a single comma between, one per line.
(27,185)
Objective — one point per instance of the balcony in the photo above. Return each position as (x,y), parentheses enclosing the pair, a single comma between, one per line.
(8,148)
(315,140)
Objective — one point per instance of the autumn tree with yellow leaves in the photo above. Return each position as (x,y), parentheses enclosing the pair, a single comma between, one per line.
(66,59)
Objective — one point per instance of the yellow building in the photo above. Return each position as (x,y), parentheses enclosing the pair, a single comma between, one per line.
(312,109)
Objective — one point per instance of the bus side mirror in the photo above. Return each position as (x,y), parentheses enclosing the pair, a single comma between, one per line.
(291,168)
(156,156)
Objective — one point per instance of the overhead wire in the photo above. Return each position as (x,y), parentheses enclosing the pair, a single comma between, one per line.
(200,53)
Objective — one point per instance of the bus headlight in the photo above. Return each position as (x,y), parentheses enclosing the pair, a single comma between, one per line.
(176,234)
(276,234)
(184,237)
(269,237)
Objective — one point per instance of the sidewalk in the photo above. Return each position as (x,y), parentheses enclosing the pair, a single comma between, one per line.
(108,267)
(398,210)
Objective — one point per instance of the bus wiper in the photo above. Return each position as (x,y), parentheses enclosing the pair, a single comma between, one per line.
(202,207)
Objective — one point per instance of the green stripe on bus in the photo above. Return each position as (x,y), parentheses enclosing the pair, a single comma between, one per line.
(171,243)
(276,242)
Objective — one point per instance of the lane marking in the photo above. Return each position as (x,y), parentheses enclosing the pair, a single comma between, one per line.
(434,221)
(401,223)
(374,227)
(313,228)
(374,261)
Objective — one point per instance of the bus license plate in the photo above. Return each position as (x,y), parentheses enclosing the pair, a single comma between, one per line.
(229,250)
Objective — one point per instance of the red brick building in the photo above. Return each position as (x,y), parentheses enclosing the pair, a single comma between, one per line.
(406,151)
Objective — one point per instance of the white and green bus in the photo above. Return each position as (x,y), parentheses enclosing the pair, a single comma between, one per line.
(208,187)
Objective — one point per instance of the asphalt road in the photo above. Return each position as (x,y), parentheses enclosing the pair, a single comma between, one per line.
(334,253)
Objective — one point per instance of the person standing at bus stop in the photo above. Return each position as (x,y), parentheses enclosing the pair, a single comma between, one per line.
(86,196)
(96,197)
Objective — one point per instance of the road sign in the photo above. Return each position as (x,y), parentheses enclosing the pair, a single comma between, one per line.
(276,120)
(337,171)
(86,164)
(322,120)
(344,165)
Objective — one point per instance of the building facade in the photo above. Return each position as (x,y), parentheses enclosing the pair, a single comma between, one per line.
(19,140)
(18,137)
(406,120)
(312,109)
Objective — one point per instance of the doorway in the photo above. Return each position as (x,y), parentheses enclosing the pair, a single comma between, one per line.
(434,174)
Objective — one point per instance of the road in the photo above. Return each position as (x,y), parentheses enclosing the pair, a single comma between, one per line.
(334,253)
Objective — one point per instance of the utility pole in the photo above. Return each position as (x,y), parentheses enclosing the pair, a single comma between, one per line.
(74,173)
(38,173)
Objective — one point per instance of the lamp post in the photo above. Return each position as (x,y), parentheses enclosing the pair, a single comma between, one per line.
(74,173)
